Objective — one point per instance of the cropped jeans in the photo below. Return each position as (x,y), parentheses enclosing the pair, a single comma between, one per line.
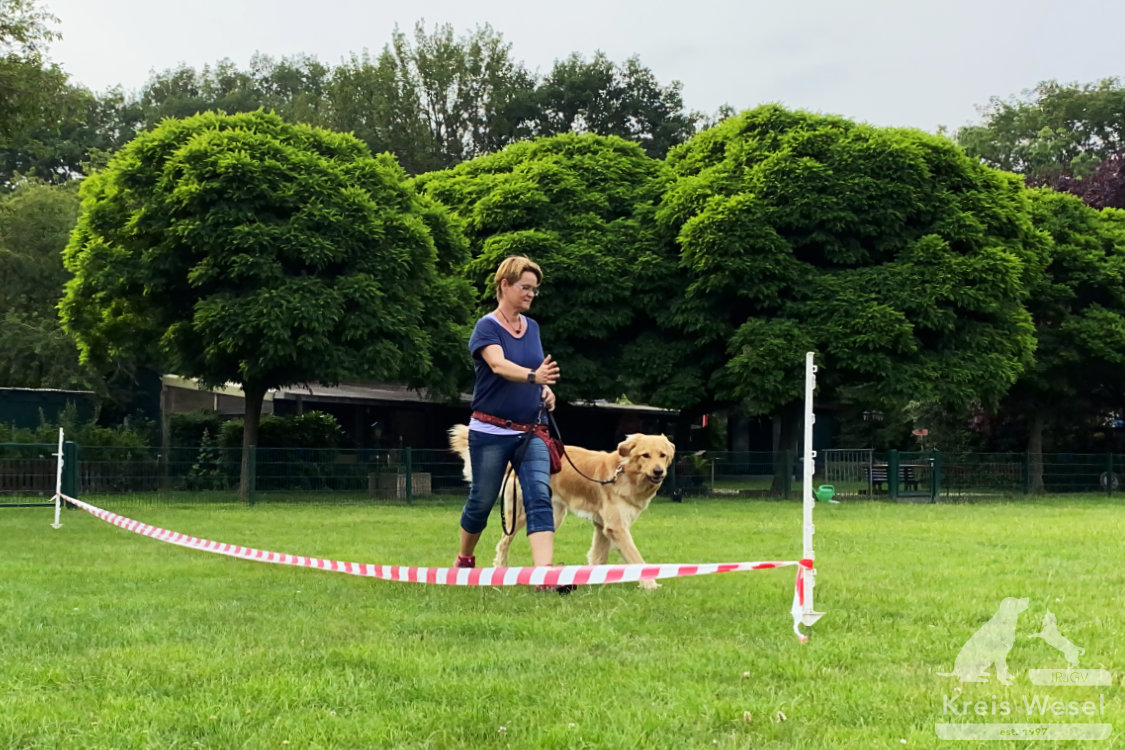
(489,456)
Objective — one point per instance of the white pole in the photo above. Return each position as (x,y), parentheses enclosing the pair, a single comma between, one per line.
(58,481)
(808,614)
(810,457)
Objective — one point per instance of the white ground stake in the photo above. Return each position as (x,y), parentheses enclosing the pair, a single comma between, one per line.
(803,611)
(58,482)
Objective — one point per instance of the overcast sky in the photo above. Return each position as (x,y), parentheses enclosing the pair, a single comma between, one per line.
(917,63)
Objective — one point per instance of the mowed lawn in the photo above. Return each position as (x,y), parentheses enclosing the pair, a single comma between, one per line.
(112,640)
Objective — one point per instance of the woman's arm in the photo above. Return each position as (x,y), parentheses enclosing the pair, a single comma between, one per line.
(546,374)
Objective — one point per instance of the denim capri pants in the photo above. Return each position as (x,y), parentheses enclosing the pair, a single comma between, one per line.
(489,455)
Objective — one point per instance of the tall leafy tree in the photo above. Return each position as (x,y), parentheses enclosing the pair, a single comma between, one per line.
(35,222)
(184,91)
(295,87)
(376,100)
(1078,306)
(598,96)
(902,262)
(84,128)
(471,95)
(1055,130)
(29,82)
(34,95)
(243,248)
(581,207)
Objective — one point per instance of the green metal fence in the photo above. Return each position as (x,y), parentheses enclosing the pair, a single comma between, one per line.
(211,473)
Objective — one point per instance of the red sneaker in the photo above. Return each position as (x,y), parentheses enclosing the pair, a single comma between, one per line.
(560,590)
(463,561)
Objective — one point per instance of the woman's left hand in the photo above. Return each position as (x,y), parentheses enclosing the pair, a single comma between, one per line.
(548,397)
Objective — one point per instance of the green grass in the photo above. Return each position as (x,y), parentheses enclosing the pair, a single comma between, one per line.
(113,640)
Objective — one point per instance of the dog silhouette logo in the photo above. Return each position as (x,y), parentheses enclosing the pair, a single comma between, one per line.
(990,646)
(1051,635)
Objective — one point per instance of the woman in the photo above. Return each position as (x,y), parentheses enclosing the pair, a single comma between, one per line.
(513,381)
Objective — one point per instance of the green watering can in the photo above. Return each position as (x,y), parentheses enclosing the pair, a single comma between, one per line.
(824,493)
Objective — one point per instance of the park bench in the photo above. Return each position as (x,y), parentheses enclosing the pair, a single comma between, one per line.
(877,475)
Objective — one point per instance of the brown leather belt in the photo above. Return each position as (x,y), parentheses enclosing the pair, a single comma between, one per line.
(508,424)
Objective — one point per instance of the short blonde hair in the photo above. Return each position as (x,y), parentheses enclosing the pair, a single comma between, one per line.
(512,268)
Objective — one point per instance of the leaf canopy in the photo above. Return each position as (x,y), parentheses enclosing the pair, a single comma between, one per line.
(581,207)
(900,261)
(243,248)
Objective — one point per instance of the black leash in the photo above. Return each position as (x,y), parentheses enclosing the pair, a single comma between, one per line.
(513,467)
(552,425)
(517,460)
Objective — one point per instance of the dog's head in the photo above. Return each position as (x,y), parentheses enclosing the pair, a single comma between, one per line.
(647,456)
(1011,607)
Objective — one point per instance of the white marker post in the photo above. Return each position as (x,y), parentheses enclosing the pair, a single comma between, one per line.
(808,614)
(58,482)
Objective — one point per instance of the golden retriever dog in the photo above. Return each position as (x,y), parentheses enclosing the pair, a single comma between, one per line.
(639,464)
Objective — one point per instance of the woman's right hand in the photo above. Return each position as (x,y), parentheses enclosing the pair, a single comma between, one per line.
(548,372)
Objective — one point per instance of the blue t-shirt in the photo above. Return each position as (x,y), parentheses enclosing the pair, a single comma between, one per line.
(493,394)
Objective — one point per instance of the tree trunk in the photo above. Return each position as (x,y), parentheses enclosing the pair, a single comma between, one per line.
(1035,452)
(789,422)
(255,394)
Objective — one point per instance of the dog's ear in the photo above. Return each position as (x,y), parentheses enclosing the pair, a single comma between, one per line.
(671,450)
(626,446)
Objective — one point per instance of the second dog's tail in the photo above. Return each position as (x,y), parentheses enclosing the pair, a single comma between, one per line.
(459,444)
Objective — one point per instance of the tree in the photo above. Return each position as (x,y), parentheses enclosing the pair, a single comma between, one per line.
(243,248)
(897,259)
(295,87)
(28,82)
(1078,306)
(83,130)
(35,222)
(183,91)
(1055,130)
(471,96)
(581,207)
(435,99)
(374,100)
(1104,188)
(33,91)
(601,97)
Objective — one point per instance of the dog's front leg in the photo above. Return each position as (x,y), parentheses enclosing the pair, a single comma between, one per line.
(619,534)
(599,547)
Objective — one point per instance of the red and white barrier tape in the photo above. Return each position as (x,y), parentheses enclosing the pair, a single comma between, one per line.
(553,576)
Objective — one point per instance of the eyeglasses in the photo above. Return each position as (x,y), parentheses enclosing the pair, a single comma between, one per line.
(528,288)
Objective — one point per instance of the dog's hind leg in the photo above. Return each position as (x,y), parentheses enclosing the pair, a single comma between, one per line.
(558,510)
(501,559)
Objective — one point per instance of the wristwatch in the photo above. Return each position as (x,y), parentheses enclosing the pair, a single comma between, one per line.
(531,376)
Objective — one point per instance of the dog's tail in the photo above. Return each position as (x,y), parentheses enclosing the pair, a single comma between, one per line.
(459,444)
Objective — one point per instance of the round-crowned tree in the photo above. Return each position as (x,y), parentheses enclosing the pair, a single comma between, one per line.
(244,248)
(900,261)
(581,206)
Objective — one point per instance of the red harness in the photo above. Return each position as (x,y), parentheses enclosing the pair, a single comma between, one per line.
(555,449)
(508,424)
